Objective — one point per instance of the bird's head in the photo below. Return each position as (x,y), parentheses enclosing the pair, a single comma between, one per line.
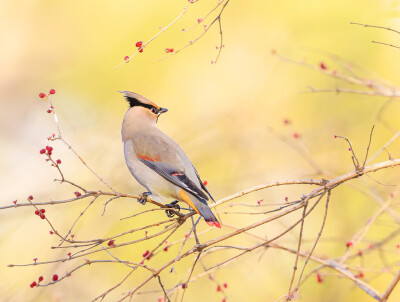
(141,108)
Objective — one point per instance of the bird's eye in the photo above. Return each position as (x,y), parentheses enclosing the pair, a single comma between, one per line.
(153,110)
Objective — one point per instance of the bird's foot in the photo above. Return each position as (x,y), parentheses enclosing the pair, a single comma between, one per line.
(173,205)
(143,197)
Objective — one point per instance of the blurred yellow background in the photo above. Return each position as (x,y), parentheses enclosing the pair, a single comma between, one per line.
(220,115)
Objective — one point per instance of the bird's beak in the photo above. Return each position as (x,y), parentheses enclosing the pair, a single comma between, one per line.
(162,110)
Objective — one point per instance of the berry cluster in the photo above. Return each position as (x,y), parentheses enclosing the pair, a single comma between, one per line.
(147,255)
(139,45)
(40,213)
(48,151)
(43,95)
(40,279)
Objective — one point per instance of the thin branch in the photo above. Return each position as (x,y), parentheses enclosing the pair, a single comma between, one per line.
(316,240)
(298,251)
(375,26)
(163,289)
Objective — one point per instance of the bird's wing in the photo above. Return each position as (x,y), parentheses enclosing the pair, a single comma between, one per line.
(161,154)
(201,183)
(178,178)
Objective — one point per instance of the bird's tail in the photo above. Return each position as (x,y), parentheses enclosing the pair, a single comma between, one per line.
(200,206)
(208,215)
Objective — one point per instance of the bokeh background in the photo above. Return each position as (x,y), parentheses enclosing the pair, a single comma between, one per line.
(219,113)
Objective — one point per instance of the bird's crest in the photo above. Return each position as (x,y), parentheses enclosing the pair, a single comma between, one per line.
(135,99)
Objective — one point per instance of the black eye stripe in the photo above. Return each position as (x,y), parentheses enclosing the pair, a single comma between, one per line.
(135,102)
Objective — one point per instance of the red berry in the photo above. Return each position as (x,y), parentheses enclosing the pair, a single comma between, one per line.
(58,161)
(42,216)
(77,194)
(111,243)
(55,277)
(319,278)
(286,198)
(186,235)
(35,259)
(49,148)
(296,135)
(360,253)
(360,275)
(42,211)
(69,254)
(149,256)
(161,299)
(259,202)
(37,212)
(167,50)
(140,49)
(322,66)
(40,278)
(184,285)
(199,20)
(146,253)
(33,284)
(349,243)
(15,202)
(335,136)
(171,50)
(218,288)
(166,249)
(42,95)
(42,151)
(225,285)
(205,182)
(30,197)
(126,58)
(223,300)
(139,44)
(51,233)
(52,91)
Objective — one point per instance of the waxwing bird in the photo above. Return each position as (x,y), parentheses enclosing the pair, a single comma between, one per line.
(157,162)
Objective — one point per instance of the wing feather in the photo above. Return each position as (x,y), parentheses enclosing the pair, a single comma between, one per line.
(178,178)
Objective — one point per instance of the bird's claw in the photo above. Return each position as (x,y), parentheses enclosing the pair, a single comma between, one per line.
(173,205)
(143,198)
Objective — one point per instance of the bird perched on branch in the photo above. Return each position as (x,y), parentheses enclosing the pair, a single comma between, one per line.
(157,162)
